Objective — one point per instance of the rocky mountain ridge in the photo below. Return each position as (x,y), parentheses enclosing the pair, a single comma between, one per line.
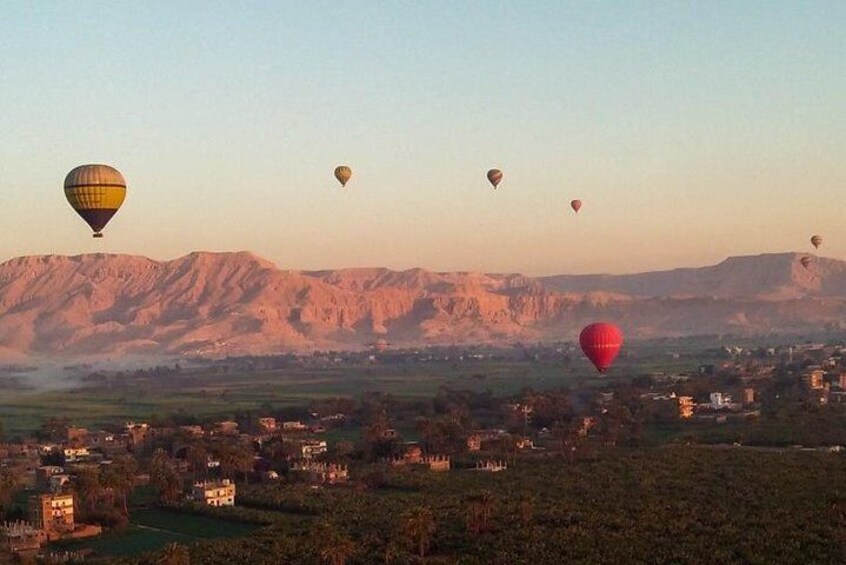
(237,303)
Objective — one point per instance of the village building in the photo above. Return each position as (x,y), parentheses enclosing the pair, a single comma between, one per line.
(52,513)
(309,449)
(296,426)
(328,473)
(814,379)
(137,434)
(437,463)
(214,493)
(474,443)
(225,428)
(586,424)
(748,395)
(43,475)
(75,436)
(491,466)
(267,425)
(75,454)
(413,455)
(524,443)
(685,407)
(21,539)
(192,431)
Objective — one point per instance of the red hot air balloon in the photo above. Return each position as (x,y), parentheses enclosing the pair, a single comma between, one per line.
(575,205)
(601,343)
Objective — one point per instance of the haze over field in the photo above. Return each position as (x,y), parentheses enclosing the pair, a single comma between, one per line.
(235,303)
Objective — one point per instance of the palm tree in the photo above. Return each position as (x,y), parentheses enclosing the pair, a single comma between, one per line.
(119,478)
(175,554)
(236,459)
(480,511)
(391,552)
(164,477)
(336,549)
(88,491)
(527,510)
(419,527)
(197,455)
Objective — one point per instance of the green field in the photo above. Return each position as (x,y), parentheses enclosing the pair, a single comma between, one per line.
(150,530)
(222,394)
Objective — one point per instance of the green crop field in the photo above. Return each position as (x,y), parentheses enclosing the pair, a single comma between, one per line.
(150,530)
(217,394)
(114,398)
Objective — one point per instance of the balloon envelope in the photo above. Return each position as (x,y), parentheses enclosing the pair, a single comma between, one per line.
(95,192)
(494,177)
(575,205)
(601,344)
(816,241)
(343,174)
(805,261)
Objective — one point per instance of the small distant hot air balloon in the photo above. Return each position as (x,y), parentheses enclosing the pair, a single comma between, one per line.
(576,205)
(601,343)
(96,192)
(343,174)
(494,177)
(816,241)
(805,261)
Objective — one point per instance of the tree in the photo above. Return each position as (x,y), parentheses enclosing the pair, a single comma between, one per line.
(336,548)
(479,512)
(88,491)
(197,456)
(418,527)
(175,554)
(390,552)
(120,478)
(236,459)
(571,437)
(8,487)
(164,477)
(527,510)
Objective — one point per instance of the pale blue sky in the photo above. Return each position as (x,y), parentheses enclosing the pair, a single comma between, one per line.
(691,131)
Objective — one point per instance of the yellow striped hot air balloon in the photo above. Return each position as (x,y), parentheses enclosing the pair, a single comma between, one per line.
(96,192)
(343,174)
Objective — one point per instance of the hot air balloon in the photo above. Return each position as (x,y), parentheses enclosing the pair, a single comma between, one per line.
(601,343)
(343,174)
(96,193)
(805,261)
(576,205)
(494,177)
(816,241)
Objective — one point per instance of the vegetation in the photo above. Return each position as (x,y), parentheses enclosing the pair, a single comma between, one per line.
(668,505)
(617,476)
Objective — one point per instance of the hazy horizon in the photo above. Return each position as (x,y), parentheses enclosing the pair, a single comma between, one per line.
(691,133)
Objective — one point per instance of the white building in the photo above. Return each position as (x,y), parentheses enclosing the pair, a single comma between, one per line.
(491,466)
(294,426)
(73,454)
(214,493)
(720,400)
(312,448)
